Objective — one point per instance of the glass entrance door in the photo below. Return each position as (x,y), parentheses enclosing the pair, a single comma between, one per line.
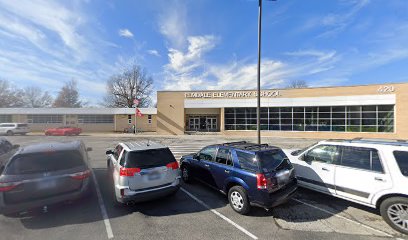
(211,124)
(194,124)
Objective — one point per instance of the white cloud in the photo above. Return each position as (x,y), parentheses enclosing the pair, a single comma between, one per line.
(125,33)
(153,52)
(173,23)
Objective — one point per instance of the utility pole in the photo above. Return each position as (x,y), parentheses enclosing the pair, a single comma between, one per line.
(258,109)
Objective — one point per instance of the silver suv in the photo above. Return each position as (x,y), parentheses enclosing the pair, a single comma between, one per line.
(142,171)
(14,128)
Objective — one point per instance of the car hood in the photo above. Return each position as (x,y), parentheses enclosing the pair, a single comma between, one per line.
(188,155)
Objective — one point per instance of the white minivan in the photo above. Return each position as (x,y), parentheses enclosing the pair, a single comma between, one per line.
(14,128)
(372,172)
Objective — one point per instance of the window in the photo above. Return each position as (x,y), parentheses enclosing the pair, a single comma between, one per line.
(247,161)
(44,118)
(148,158)
(323,153)
(207,154)
(95,119)
(149,119)
(402,161)
(270,160)
(367,118)
(45,162)
(5,118)
(361,158)
(22,125)
(223,156)
(129,119)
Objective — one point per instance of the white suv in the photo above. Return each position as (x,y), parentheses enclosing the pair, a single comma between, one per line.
(372,172)
(14,128)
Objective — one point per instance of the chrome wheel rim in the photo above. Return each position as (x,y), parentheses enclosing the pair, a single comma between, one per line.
(398,214)
(237,200)
(185,174)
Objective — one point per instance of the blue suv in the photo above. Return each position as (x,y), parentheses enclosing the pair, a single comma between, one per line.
(250,174)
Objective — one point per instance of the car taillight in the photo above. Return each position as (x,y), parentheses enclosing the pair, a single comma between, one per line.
(128,172)
(173,165)
(261,182)
(81,175)
(5,187)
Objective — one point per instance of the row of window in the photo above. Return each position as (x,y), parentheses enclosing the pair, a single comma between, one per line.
(354,157)
(371,118)
(5,118)
(95,119)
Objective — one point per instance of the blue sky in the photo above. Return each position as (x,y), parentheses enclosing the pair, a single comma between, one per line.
(203,44)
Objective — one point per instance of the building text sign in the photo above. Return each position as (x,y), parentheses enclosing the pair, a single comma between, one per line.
(236,94)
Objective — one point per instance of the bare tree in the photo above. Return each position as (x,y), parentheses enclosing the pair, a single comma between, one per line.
(297,84)
(35,97)
(68,96)
(123,88)
(9,95)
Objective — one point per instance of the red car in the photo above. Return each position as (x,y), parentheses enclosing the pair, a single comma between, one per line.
(63,131)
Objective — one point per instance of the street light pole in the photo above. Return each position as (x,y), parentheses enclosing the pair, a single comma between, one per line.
(258,109)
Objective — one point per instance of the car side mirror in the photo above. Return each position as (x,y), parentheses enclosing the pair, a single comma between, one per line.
(89,149)
(15,146)
(109,152)
(195,156)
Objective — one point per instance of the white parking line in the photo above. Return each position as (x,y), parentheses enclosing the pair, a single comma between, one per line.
(344,218)
(103,209)
(220,215)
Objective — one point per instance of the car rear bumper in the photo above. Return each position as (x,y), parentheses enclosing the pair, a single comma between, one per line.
(15,208)
(150,194)
(270,200)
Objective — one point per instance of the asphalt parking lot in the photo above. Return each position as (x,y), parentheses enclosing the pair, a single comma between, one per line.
(195,212)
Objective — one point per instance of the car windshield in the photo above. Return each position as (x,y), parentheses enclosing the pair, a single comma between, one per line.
(148,158)
(44,162)
(299,151)
(270,160)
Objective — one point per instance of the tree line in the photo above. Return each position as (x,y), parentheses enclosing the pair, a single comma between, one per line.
(121,89)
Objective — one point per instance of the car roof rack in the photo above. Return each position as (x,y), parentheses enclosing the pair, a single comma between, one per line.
(382,141)
(234,143)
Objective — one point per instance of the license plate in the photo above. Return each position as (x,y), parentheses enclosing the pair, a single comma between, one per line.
(283,177)
(46,185)
(153,176)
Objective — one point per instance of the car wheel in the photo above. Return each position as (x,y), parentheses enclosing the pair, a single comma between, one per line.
(238,200)
(185,174)
(394,211)
(47,134)
(10,133)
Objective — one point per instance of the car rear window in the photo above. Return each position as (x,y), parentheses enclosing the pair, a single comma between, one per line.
(149,158)
(45,162)
(6,125)
(22,125)
(402,161)
(271,160)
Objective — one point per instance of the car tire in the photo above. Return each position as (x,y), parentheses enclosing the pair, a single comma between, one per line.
(10,133)
(238,200)
(394,211)
(185,174)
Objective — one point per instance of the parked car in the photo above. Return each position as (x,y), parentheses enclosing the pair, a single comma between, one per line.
(14,128)
(63,131)
(371,172)
(142,171)
(250,174)
(43,174)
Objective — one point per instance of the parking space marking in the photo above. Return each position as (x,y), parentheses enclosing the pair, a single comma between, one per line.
(103,209)
(344,218)
(220,215)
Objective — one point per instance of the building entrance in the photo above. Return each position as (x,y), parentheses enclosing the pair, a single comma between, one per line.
(203,123)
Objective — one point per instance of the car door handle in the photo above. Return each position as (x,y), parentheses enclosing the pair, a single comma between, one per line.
(207,165)
(325,169)
(379,179)
(226,171)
